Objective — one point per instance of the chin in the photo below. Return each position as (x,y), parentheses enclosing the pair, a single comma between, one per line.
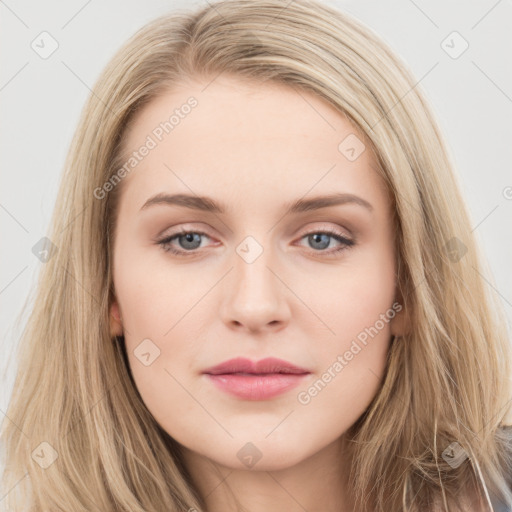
(255,454)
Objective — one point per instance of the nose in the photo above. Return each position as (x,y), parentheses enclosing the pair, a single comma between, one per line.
(254,297)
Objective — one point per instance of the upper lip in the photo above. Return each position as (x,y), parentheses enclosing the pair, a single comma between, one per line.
(267,365)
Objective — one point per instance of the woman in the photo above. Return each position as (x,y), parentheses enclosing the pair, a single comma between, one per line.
(258,370)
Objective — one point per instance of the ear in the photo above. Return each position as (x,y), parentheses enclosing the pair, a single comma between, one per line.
(400,323)
(116,326)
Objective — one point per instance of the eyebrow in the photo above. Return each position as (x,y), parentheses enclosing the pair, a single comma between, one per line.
(207,204)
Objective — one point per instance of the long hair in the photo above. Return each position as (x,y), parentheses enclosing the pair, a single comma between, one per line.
(77,435)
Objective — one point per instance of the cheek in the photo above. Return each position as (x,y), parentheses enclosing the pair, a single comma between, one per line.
(353,351)
(153,293)
(161,324)
(352,296)
(351,362)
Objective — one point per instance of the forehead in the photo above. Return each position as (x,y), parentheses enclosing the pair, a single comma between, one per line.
(248,140)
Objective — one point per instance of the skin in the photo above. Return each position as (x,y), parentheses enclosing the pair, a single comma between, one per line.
(255,149)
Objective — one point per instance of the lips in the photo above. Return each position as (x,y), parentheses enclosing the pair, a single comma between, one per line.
(261,380)
(269,365)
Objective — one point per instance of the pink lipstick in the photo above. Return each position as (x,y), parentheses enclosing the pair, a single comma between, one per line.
(259,380)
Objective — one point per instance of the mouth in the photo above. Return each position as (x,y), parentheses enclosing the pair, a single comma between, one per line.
(262,380)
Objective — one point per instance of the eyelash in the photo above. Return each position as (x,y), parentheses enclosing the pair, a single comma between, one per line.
(347,243)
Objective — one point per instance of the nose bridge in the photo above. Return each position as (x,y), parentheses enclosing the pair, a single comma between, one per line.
(254,281)
(255,296)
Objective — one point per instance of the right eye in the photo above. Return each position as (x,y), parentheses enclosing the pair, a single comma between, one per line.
(188,239)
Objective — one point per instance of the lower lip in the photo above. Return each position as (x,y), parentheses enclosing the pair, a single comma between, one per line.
(257,387)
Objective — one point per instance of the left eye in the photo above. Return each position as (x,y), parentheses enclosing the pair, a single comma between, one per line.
(320,240)
(191,241)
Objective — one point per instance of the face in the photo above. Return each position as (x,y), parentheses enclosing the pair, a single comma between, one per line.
(265,274)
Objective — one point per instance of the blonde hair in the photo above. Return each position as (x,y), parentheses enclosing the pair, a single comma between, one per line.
(447,381)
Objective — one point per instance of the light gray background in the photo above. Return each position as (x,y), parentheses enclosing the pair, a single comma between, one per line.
(41,100)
